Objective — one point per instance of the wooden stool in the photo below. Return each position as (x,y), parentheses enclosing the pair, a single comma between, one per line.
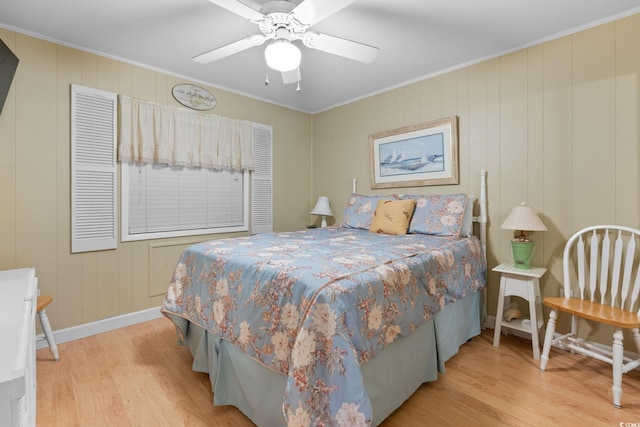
(43,302)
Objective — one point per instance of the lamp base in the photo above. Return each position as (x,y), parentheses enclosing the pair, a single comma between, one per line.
(324,222)
(522,253)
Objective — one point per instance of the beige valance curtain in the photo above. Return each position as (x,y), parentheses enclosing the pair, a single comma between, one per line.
(152,133)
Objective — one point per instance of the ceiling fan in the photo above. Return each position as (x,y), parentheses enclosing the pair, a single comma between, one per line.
(283,23)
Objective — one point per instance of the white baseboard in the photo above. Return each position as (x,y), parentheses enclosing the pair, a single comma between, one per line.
(99,326)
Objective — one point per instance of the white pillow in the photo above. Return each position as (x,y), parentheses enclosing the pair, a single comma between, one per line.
(466,229)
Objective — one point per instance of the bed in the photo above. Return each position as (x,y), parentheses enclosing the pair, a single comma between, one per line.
(338,325)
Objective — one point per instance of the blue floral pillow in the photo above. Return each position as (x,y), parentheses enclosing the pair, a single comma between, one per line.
(439,215)
(359,210)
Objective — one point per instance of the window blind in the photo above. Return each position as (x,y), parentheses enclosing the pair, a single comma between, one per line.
(163,199)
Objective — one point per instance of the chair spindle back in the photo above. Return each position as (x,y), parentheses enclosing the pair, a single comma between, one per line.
(605,265)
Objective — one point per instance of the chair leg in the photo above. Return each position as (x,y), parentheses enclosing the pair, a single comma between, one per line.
(636,338)
(548,337)
(617,367)
(48,334)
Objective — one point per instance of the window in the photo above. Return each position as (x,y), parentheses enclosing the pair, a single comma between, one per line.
(159,201)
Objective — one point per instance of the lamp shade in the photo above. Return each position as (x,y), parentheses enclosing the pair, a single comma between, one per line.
(523,218)
(282,55)
(323,209)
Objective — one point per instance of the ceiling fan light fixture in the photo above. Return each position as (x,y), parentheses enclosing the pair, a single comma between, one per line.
(282,55)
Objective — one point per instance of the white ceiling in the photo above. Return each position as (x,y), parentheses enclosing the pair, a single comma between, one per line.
(417,38)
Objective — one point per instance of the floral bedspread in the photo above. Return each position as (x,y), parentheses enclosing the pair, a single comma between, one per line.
(316,304)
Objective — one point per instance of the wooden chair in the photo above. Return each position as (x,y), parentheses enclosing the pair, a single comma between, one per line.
(43,302)
(601,284)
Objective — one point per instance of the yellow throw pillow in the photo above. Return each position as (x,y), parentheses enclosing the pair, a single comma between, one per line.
(392,216)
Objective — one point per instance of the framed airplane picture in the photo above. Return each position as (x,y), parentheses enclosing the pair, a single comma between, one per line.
(416,155)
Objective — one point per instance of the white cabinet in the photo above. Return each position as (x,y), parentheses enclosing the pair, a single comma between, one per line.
(18,295)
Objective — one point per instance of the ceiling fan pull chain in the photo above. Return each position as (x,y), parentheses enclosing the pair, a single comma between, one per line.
(299,78)
(266,75)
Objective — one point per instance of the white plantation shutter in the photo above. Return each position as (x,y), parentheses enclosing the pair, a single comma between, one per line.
(93,169)
(262,179)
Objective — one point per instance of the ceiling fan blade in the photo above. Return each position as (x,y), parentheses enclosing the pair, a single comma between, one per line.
(292,76)
(230,49)
(310,12)
(341,47)
(239,8)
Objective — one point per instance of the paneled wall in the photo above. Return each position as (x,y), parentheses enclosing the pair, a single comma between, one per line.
(556,125)
(35,180)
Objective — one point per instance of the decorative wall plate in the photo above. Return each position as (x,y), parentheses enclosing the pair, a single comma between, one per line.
(194,97)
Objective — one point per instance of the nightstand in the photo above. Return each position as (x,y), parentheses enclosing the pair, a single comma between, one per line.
(524,283)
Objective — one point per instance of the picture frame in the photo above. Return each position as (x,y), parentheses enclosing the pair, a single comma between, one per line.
(416,155)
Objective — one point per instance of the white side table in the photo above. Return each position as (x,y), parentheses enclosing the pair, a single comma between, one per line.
(525,284)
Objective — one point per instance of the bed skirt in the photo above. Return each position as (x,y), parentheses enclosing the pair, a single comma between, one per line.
(390,378)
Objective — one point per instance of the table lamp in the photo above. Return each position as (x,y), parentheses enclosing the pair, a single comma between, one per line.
(522,218)
(323,209)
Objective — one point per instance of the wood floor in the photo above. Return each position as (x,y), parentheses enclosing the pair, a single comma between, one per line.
(137,376)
